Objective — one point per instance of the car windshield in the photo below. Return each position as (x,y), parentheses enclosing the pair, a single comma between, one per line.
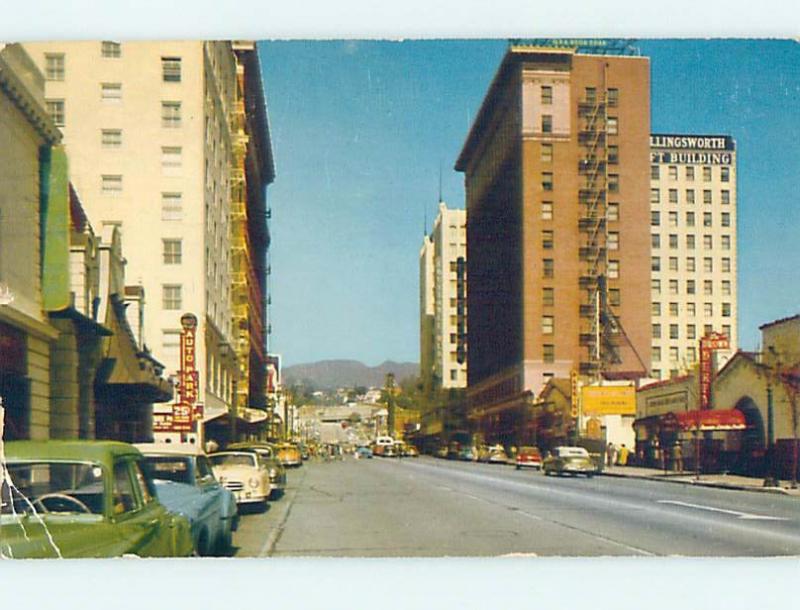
(529,451)
(233,459)
(169,468)
(56,487)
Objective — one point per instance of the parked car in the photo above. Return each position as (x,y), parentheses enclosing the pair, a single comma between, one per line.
(363,452)
(467,454)
(442,451)
(84,499)
(288,454)
(243,473)
(267,452)
(381,445)
(528,457)
(185,484)
(569,460)
(411,451)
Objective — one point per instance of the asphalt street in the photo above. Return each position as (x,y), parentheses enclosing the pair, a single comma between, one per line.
(425,507)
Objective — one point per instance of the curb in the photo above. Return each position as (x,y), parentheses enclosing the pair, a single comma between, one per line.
(730,486)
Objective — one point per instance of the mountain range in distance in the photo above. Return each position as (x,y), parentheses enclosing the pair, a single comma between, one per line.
(332,374)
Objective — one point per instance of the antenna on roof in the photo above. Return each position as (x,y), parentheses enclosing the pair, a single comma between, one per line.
(440,181)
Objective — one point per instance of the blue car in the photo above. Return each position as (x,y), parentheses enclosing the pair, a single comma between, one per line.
(186,485)
(363,452)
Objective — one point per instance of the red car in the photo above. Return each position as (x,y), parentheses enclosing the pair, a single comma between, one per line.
(529,457)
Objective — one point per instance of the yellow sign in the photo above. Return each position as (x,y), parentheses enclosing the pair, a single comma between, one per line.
(609,400)
(573,394)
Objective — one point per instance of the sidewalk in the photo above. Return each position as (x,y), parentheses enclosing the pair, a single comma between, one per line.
(723,481)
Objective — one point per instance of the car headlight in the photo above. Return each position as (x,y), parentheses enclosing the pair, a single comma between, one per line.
(253,481)
(273,473)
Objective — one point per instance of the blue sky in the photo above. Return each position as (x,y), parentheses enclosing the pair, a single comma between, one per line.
(360,130)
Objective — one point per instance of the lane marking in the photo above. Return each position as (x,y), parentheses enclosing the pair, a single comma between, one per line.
(738,514)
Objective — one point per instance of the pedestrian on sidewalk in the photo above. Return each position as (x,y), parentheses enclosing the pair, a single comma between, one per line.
(611,454)
(622,455)
(677,456)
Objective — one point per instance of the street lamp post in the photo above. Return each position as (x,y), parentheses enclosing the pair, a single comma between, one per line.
(770,480)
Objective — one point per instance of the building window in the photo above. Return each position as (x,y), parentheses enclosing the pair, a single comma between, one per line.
(171,69)
(673,331)
(690,173)
(690,264)
(708,288)
(171,297)
(655,196)
(674,352)
(673,172)
(110,49)
(613,212)
(691,309)
(54,66)
(111,184)
(708,242)
(547,95)
(111,92)
(655,174)
(547,123)
(706,174)
(547,267)
(690,196)
(708,309)
(547,153)
(726,265)
(173,251)
(689,219)
(614,297)
(725,174)
(111,138)
(708,264)
(613,240)
(725,219)
(673,287)
(673,195)
(691,331)
(707,197)
(55,108)
(613,154)
(591,95)
(549,352)
(655,287)
(655,263)
(171,343)
(655,241)
(613,269)
(547,181)
(691,287)
(171,159)
(707,220)
(726,288)
(673,310)
(673,219)
(655,219)
(656,331)
(171,206)
(170,114)
(548,296)
(613,126)
(613,97)
(707,329)
(547,325)
(655,308)
(655,354)
(725,197)
(726,330)
(673,263)
(547,240)
(673,241)
(613,183)
(547,210)
(453,338)
(726,242)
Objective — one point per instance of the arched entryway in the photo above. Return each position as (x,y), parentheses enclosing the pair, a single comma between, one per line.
(753,449)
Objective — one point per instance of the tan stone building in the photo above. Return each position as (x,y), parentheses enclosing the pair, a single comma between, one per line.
(152,132)
(693,238)
(557,181)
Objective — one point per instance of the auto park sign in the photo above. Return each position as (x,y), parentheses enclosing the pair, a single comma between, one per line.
(185,412)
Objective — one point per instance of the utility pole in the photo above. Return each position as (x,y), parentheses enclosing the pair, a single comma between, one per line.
(389,388)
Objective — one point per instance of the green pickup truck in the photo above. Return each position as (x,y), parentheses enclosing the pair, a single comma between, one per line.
(83,499)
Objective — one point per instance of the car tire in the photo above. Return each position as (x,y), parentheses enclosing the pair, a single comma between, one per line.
(225,543)
(518,467)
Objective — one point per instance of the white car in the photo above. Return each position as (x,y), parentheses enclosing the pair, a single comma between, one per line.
(244,473)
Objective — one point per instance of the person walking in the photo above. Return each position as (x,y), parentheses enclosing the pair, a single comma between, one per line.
(677,456)
(622,455)
(611,454)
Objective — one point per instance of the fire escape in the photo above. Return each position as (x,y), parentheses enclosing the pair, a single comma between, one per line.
(598,324)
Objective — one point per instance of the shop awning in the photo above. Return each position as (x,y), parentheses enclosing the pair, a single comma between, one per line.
(711,419)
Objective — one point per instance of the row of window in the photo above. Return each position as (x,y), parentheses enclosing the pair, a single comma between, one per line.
(170,110)
(548,240)
(675,354)
(55,65)
(691,264)
(724,172)
(724,196)
(612,95)
(691,241)
(691,329)
(691,286)
(690,308)
(548,269)
(690,218)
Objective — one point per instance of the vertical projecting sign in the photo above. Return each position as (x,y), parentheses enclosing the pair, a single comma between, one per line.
(183,410)
(708,345)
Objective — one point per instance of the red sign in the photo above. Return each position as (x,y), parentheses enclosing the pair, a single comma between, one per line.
(712,419)
(708,345)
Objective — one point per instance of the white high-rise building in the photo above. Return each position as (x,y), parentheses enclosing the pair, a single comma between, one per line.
(156,135)
(443,292)
(693,233)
